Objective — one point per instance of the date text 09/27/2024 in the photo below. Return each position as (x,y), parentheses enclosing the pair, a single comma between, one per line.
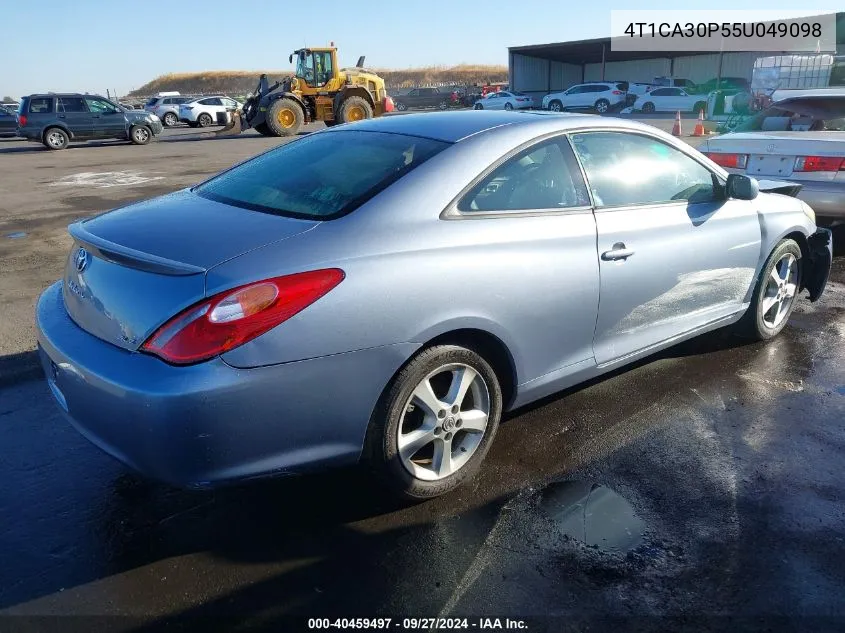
(411,624)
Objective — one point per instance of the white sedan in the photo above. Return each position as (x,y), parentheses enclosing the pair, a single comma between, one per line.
(800,140)
(202,111)
(670,100)
(503,100)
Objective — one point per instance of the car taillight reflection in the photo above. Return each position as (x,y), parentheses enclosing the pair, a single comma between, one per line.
(735,161)
(819,163)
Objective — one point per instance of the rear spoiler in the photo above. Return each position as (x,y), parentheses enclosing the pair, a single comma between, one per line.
(130,257)
(780,186)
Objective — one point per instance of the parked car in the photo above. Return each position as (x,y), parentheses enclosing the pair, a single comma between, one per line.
(636,89)
(8,123)
(423,98)
(504,100)
(802,140)
(670,100)
(282,316)
(203,111)
(600,96)
(59,119)
(674,82)
(728,85)
(166,108)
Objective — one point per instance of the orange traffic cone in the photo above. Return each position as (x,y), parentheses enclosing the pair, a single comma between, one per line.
(699,130)
(676,129)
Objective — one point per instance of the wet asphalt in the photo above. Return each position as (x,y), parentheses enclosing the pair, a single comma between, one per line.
(701,489)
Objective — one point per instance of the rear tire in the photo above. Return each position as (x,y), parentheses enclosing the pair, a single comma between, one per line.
(478,106)
(284,117)
(508,106)
(400,107)
(55,138)
(262,129)
(775,293)
(602,106)
(354,109)
(648,108)
(140,134)
(204,120)
(170,119)
(466,423)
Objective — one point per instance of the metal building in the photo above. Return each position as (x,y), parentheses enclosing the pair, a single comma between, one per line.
(540,69)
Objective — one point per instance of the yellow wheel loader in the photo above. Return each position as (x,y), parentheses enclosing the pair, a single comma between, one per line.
(318,91)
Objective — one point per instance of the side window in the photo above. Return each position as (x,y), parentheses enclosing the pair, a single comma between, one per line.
(72,104)
(627,169)
(323,70)
(167,101)
(413,93)
(660,92)
(211,101)
(42,105)
(673,92)
(545,176)
(575,90)
(99,106)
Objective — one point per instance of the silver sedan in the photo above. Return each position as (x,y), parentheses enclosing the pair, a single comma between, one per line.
(383,291)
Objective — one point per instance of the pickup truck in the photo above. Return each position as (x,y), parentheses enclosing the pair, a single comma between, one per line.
(423,98)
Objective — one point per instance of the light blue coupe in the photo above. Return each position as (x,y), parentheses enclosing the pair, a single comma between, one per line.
(382,291)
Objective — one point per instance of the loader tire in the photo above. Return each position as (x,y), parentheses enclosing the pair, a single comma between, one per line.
(284,117)
(354,109)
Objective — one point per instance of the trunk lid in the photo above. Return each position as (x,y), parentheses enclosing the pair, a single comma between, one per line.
(773,153)
(131,269)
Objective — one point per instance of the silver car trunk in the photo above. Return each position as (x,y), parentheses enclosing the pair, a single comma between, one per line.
(132,269)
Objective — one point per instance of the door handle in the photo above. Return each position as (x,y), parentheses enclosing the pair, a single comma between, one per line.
(62,116)
(617,252)
(95,116)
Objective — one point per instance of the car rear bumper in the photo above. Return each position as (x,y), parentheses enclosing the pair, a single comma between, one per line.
(211,423)
(826,198)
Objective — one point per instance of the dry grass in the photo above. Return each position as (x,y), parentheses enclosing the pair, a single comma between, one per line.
(238,82)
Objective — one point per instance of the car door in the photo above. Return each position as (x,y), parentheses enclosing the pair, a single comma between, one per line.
(8,122)
(533,222)
(571,96)
(658,97)
(74,113)
(674,253)
(211,106)
(675,100)
(108,120)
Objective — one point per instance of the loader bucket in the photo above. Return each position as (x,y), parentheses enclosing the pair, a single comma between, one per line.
(235,126)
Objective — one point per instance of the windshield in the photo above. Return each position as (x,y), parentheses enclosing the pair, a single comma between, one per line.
(151,101)
(804,115)
(322,176)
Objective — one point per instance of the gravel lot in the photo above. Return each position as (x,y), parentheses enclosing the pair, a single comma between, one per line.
(701,489)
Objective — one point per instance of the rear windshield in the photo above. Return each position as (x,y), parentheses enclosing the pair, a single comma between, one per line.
(322,176)
(151,101)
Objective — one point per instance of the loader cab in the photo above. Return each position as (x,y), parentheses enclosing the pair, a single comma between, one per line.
(316,67)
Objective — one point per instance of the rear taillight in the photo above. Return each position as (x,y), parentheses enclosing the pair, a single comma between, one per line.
(22,119)
(616,92)
(236,316)
(819,163)
(736,161)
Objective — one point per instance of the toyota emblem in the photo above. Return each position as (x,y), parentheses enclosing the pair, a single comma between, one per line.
(81,259)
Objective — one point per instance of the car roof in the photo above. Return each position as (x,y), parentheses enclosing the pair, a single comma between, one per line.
(42,95)
(455,126)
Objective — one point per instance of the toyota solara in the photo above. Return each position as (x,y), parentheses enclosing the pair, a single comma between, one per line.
(380,292)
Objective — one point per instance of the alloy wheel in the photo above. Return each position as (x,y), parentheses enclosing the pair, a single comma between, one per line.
(781,290)
(443,422)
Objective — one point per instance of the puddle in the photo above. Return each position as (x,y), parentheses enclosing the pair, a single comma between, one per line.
(594,515)
(16,236)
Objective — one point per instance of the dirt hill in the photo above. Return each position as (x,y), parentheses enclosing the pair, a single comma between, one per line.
(241,82)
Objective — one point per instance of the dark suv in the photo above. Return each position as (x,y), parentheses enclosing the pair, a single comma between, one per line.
(59,119)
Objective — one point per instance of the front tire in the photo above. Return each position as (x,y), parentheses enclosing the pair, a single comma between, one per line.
(508,106)
(556,106)
(648,108)
(478,106)
(140,134)
(435,422)
(602,106)
(170,119)
(400,107)
(284,117)
(775,293)
(204,120)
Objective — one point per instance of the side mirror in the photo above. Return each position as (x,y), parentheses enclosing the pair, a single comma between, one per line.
(742,187)
(290,59)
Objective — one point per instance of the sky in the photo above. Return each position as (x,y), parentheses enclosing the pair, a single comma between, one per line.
(100,45)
